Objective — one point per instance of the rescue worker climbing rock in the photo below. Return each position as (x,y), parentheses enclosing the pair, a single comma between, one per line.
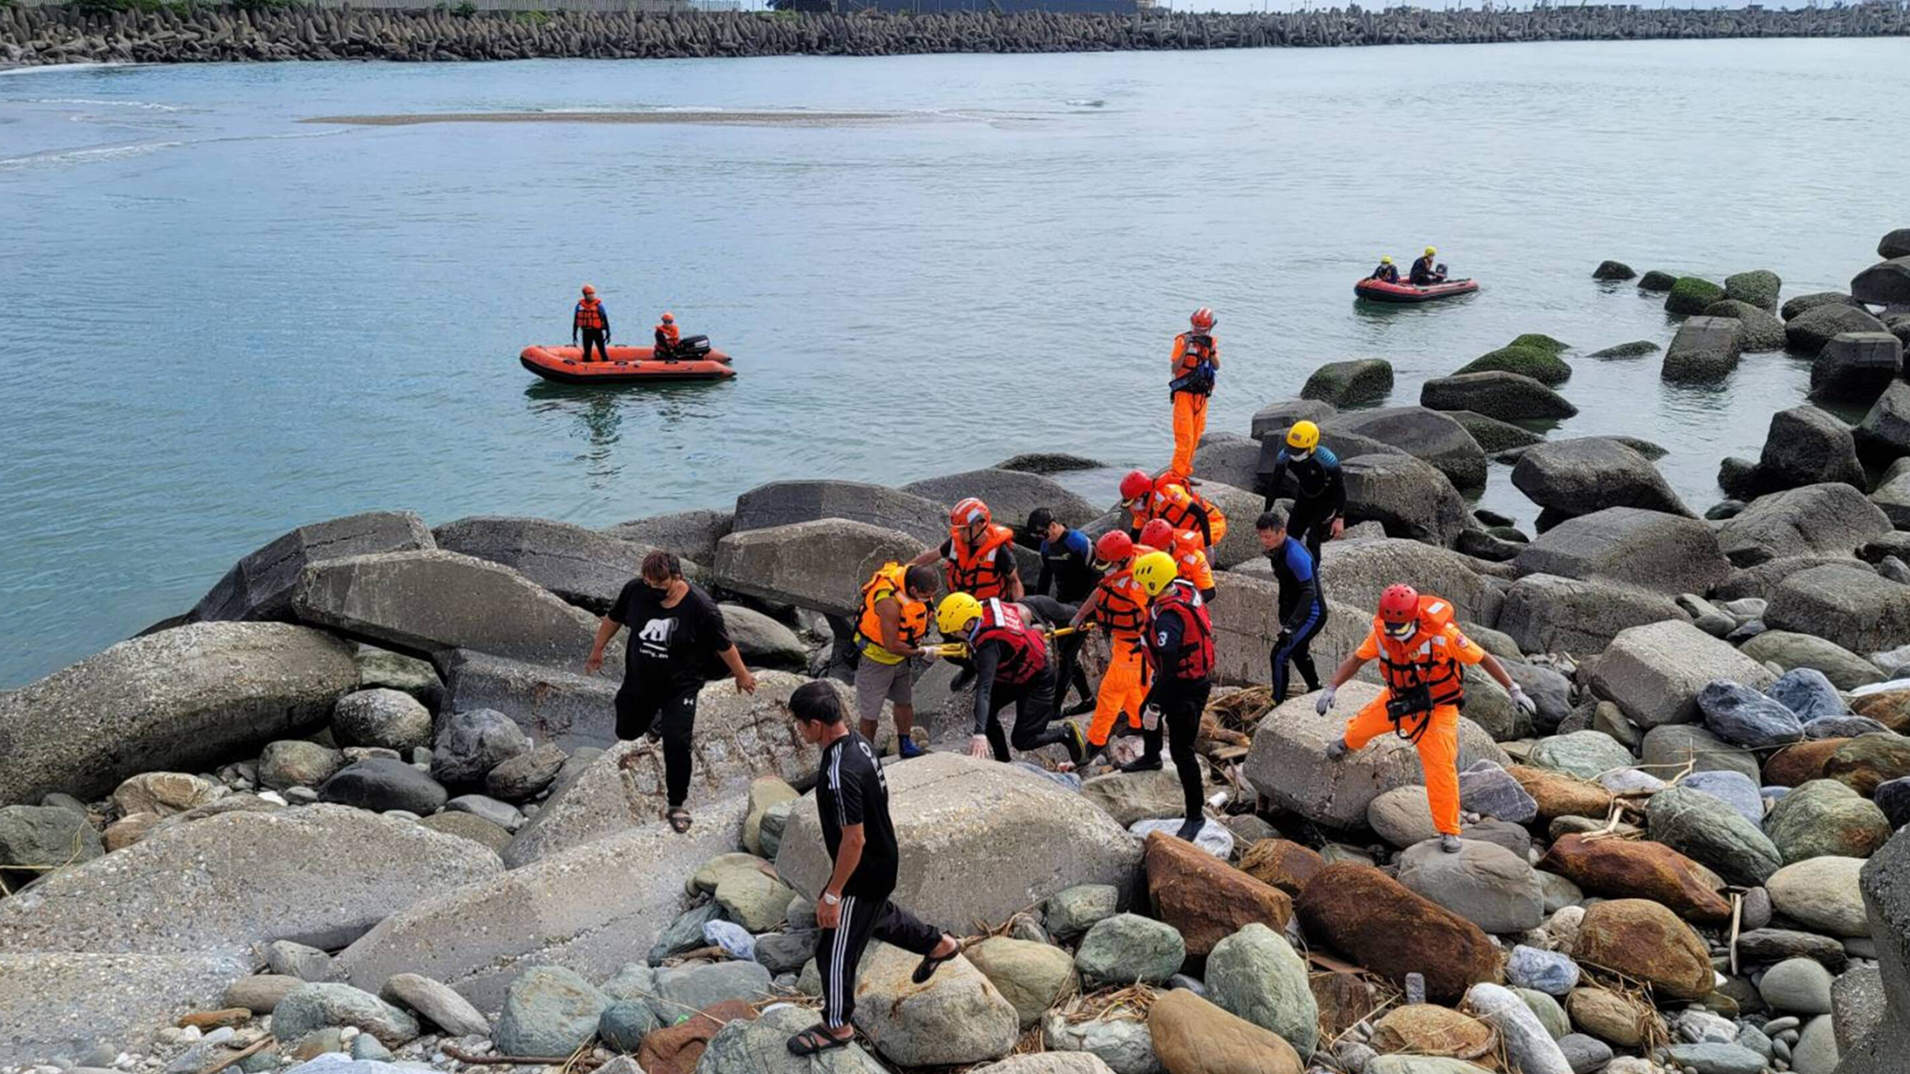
(1387,272)
(1168,497)
(1067,574)
(1302,603)
(978,555)
(1010,655)
(1422,655)
(1119,608)
(895,609)
(1193,367)
(1190,557)
(1319,493)
(591,320)
(1424,272)
(1180,647)
(667,337)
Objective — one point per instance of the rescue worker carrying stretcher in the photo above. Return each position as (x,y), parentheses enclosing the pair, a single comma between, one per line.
(1010,655)
(978,556)
(1195,363)
(1422,655)
(591,320)
(1119,607)
(895,603)
(1068,574)
(1168,497)
(1180,648)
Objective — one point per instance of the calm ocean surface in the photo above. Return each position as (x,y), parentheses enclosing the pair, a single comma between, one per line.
(217,322)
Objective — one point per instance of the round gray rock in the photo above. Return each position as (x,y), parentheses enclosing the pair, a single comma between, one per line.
(381,717)
(1126,948)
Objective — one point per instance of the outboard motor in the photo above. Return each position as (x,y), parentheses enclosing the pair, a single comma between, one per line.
(691,348)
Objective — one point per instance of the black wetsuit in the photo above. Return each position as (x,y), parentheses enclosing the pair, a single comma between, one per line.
(1068,566)
(1425,272)
(1320,495)
(1387,273)
(1302,614)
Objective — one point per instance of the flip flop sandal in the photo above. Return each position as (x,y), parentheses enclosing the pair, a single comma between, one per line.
(930,963)
(814,1041)
(679,820)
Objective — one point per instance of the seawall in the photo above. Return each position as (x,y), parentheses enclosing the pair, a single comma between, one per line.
(48,35)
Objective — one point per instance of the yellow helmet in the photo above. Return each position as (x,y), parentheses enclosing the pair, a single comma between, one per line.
(956,611)
(1430,251)
(1304,436)
(1155,571)
(1386,259)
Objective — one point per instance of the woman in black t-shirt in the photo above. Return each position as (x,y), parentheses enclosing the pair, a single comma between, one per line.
(674,629)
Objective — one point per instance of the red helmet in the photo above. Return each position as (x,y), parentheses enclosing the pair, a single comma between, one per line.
(1135,485)
(969,512)
(1202,319)
(668,319)
(589,290)
(1158,534)
(1113,547)
(1399,605)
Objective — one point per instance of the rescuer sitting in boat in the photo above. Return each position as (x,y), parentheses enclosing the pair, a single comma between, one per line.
(667,338)
(1387,272)
(1425,272)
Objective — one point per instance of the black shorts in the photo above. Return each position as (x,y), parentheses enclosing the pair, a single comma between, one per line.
(669,711)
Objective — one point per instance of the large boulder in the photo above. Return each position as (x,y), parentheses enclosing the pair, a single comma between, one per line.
(692,535)
(1356,571)
(1892,497)
(1255,974)
(186,698)
(1587,474)
(1638,869)
(1204,898)
(477,935)
(1633,546)
(1671,748)
(1029,974)
(260,585)
(1689,294)
(1825,818)
(1885,429)
(1857,365)
(1193,1036)
(382,783)
(1744,717)
(584,566)
(1845,669)
(1653,673)
(252,882)
(436,600)
(314,1006)
(1807,446)
(1758,287)
(65,1004)
(1824,896)
(739,737)
(1010,495)
(1230,459)
(1240,507)
(959,1017)
(1424,434)
(1493,435)
(1285,761)
(1758,330)
(1246,617)
(992,839)
(1544,613)
(1646,942)
(1801,304)
(1272,421)
(1360,380)
(1385,927)
(1886,283)
(1808,331)
(1408,497)
(1585,754)
(1849,606)
(1484,883)
(551,704)
(1506,396)
(1541,363)
(819,565)
(782,503)
(1705,349)
(1826,519)
(1709,831)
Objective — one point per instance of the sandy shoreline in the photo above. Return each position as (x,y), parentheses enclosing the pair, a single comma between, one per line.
(761,118)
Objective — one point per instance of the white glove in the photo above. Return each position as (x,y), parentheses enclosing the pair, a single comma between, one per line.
(1524,703)
(1326,700)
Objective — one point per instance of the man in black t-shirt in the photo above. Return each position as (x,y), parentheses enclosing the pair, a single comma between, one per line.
(852,802)
(674,630)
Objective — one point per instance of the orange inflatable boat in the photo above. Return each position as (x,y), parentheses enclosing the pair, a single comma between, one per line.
(627,365)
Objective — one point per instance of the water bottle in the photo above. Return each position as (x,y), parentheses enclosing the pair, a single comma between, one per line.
(1151,718)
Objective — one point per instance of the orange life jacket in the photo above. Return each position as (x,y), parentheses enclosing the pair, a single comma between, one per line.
(1426,657)
(1195,659)
(912,622)
(668,334)
(1027,647)
(1190,556)
(1122,609)
(972,570)
(1195,357)
(1184,509)
(590,314)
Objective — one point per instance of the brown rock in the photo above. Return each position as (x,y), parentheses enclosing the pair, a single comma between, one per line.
(261,992)
(1192,1036)
(677,1049)
(1204,897)
(1612,1018)
(1561,795)
(1799,763)
(126,831)
(1426,1029)
(1889,707)
(1284,864)
(1344,1000)
(1643,940)
(1624,869)
(1867,760)
(1381,925)
(230,1016)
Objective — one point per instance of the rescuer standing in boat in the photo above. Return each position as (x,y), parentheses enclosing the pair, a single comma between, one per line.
(592,320)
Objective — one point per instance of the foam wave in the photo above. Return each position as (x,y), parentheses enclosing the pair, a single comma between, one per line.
(86,156)
(150,106)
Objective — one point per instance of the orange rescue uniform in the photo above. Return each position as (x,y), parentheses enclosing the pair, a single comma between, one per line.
(1190,406)
(1121,611)
(1434,655)
(1183,510)
(1190,556)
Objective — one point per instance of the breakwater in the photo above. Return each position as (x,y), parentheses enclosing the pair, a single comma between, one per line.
(47,35)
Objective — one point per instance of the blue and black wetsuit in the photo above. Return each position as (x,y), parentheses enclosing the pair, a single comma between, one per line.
(1068,566)
(1302,614)
(1320,493)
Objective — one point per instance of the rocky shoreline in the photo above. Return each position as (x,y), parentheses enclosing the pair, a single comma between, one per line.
(359,812)
(32,35)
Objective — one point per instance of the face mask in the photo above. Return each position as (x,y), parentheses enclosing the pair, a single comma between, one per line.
(1301,456)
(1401,631)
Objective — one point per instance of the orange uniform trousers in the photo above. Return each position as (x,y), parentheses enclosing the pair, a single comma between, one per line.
(1438,754)
(1190,422)
(1123,688)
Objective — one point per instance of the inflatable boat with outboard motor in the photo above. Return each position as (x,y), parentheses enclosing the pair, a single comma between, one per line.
(1381,291)
(691,359)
